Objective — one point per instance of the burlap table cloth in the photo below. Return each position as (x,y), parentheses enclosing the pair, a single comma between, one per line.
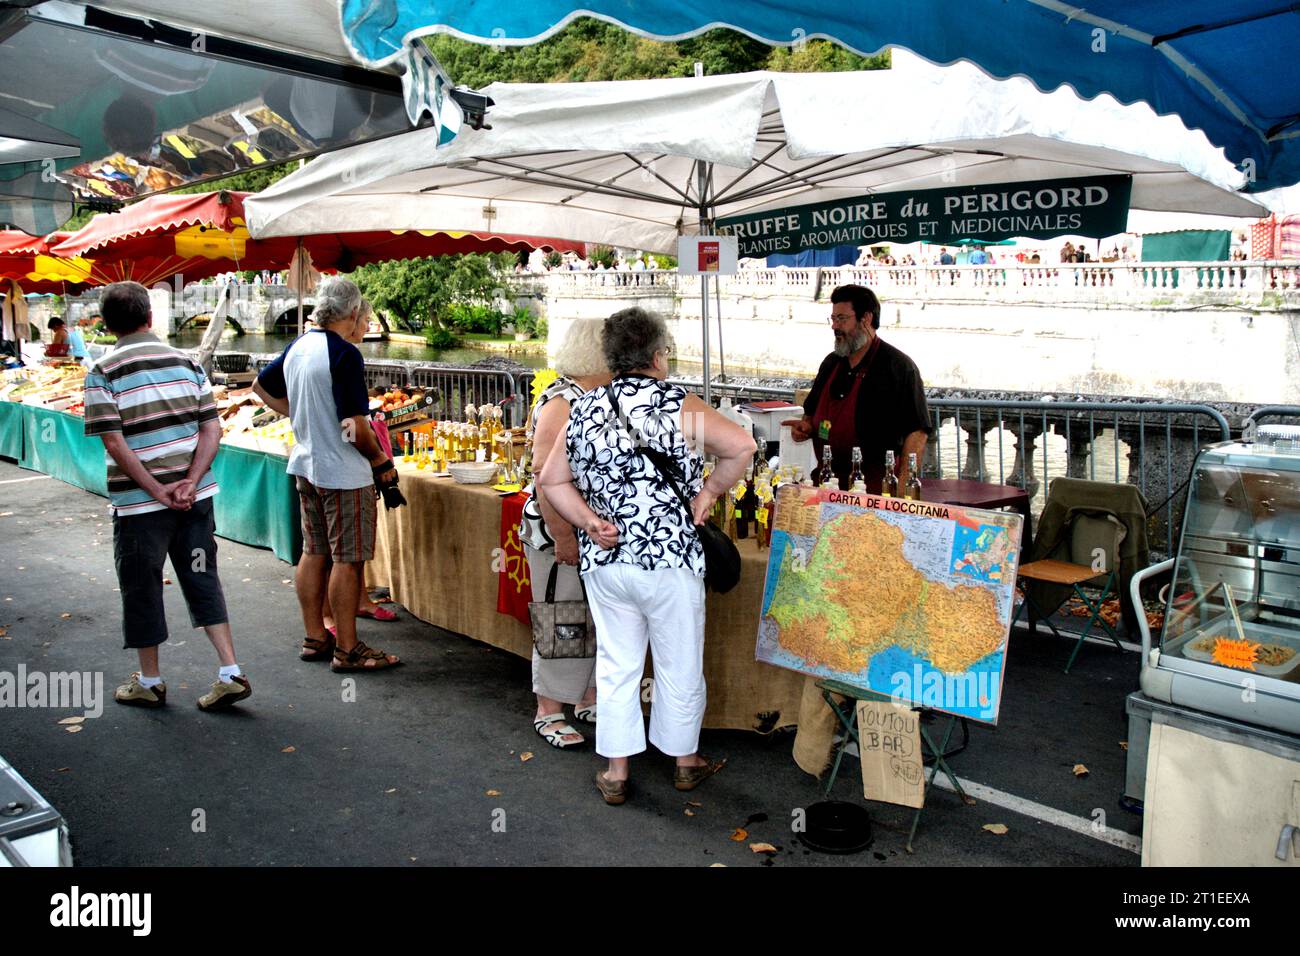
(437,557)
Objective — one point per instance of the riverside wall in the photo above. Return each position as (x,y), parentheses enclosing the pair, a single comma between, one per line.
(1088,331)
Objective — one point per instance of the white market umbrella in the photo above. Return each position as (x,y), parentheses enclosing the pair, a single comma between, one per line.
(638,163)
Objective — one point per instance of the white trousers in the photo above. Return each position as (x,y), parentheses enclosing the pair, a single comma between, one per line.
(664,609)
(565,680)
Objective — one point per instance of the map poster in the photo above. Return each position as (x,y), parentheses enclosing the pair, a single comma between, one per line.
(910,599)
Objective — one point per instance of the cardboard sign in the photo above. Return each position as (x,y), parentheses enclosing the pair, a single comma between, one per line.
(889,742)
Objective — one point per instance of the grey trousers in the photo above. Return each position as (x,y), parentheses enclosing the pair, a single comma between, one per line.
(563,680)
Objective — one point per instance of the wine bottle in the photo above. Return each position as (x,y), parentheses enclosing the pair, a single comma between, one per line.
(856,481)
(824,477)
(889,484)
(912,488)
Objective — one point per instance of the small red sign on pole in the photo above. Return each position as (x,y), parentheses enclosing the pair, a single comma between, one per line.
(710,256)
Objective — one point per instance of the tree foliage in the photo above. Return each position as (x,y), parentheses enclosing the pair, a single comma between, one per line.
(419,292)
(590,49)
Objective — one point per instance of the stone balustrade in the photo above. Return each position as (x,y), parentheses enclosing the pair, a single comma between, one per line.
(1268,283)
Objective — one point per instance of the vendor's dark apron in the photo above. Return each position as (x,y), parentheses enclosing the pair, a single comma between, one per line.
(842,415)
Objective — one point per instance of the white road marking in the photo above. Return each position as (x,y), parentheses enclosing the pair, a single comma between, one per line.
(1037,811)
(1046,814)
(14,481)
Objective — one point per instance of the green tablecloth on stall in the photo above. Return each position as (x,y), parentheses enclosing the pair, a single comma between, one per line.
(55,443)
(11,430)
(257,503)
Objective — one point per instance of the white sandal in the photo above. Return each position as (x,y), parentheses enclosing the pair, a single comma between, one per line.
(586,713)
(553,729)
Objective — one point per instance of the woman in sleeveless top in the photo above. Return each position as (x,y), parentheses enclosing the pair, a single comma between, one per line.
(548,539)
(641,558)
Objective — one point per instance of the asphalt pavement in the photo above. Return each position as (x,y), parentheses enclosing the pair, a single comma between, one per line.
(427,764)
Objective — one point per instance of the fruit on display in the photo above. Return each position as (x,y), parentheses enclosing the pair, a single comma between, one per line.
(397,397)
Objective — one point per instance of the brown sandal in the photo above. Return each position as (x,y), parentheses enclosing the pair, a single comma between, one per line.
(361,658)
(317,648)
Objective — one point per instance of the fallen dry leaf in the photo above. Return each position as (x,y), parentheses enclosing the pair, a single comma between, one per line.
(712,865)
(75,729)
(694,803)
(65,615)
(493,793)
(167,580)
(62,769)
(288,581)
(689,812)
(998,828)
(1123,744)
(391,790)
(72,720)
(288,750)
(762,848)
(526,756)
(1080,770)
(739,835)
(4,631)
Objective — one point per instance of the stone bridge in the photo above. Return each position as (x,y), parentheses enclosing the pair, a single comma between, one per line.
(268,309)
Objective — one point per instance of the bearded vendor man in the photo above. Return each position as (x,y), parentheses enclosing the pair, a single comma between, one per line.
(867,394)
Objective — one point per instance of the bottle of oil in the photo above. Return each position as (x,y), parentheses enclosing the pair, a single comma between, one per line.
(889,485)
(912,488)
(824,476)
(856,480)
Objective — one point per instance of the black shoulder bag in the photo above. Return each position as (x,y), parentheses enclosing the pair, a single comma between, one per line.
(721,559)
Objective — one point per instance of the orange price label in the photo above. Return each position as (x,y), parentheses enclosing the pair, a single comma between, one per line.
(1241,655)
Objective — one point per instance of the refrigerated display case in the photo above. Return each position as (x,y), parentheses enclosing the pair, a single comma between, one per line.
(1214,733)
(1230,643)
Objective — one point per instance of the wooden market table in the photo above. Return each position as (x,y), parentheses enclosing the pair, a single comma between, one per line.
(437,557)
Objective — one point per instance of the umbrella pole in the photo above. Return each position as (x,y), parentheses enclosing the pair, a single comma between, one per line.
(298,282)
(717,303)
(702,186)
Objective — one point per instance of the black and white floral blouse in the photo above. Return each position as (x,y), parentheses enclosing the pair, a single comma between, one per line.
(532,528)
(655,532)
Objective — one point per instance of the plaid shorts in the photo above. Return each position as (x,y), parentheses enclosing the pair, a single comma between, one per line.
(340,523)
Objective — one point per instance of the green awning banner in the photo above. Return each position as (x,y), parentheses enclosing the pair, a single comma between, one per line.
(1093,206)
(1188,245)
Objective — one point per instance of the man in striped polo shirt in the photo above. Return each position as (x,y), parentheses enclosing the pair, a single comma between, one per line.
(153,408)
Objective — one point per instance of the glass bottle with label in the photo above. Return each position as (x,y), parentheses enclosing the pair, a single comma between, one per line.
(912,488)
(889,484)
(856,480)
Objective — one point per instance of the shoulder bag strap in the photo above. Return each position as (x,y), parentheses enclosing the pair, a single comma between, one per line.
(656,457)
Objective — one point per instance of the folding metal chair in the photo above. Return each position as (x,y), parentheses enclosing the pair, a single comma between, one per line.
(1089,532)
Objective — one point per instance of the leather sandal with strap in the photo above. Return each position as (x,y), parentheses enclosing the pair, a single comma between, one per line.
(317,648)
(361,658)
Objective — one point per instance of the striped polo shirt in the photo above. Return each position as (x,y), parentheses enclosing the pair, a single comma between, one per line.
(157,397)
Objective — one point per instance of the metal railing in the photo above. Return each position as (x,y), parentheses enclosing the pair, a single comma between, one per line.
(736,391)
(456,387)
(1273,411)
(1011,429)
